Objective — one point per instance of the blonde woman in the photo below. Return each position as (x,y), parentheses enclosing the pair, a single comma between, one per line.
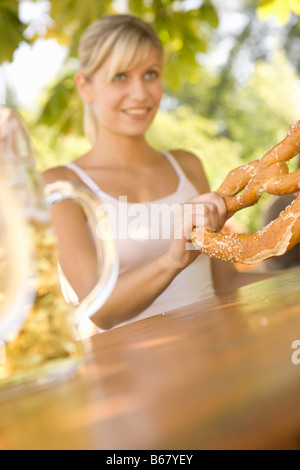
(120,83)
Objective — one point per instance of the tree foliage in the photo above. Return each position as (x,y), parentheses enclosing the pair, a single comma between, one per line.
(11,29)
(225,114)
(282,9)
(187,32)
(184,32)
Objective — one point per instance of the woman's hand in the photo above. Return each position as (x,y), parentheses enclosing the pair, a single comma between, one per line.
(208,211)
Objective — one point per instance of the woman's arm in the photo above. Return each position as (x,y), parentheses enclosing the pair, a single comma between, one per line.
(136,289)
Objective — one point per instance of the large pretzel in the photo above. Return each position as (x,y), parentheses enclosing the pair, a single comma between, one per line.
(270,174)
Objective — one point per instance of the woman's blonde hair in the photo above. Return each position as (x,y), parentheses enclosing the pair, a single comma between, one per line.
(127,39)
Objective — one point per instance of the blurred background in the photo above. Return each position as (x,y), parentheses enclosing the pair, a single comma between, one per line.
(232,86)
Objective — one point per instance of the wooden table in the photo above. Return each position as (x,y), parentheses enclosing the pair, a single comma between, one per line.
(215,375)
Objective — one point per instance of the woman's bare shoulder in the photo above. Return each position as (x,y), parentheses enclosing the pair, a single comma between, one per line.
(58,173)
(193,168)
(67,209)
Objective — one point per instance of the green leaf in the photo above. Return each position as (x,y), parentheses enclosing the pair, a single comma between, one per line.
(11,29)
(209,14)
(63,109)
(282,9)
(183,33)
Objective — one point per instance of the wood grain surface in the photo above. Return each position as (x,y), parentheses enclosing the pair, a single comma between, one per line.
(215,375)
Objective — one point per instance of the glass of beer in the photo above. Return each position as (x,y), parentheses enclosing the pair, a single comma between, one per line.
(43,348)
(15,296)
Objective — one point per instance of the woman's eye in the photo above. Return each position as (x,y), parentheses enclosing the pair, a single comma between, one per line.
(152,74)
(120,77)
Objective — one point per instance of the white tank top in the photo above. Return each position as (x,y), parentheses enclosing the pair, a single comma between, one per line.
(139,240)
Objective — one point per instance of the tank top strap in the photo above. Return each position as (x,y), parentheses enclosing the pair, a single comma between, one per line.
(84,177)
(175,165)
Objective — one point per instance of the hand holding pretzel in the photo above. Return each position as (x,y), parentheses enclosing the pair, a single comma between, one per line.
(269,174)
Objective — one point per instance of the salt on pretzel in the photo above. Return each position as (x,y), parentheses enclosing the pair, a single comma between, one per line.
(269,174)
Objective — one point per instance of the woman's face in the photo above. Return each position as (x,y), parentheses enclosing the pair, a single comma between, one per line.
(128,104)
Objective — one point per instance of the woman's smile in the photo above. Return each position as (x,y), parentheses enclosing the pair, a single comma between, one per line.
(137,113)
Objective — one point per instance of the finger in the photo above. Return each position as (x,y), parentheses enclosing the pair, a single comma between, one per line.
(217,200)
(183,223)
(221,207)
(208,217)
(201,215)
(190,215)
